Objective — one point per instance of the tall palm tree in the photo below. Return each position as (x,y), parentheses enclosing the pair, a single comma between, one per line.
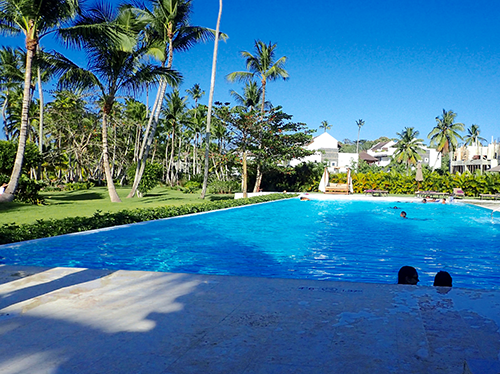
(325,125)
(113,67)
(360,123)
(445,134)
(408,147)
(33,18)
(210,102)
(473,138)
(264,65)
(168,29)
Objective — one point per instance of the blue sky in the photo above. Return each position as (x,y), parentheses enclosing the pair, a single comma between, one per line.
(392,63)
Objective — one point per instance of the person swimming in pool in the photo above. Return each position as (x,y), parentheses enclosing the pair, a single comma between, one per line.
(443,279)
(403,214)
(408,275)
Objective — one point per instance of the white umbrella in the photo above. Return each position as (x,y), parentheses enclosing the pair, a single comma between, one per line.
(349,180)
(419,177)
(325,179)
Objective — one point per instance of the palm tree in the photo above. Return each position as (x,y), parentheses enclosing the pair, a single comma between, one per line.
(251,97)
(360,123)
(33,18)
(210,103)
(325,125)
(112,67)
(408,147)
(196,93)
(444,135)
(264,65)
(473,138)
(167,29)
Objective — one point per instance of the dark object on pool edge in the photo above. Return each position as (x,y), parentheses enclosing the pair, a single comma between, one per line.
(408,275)
(443,279)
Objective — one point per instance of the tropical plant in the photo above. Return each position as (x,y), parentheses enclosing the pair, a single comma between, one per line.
(33,18)
(445,134)
(408,147)
(264,65)
(114,65)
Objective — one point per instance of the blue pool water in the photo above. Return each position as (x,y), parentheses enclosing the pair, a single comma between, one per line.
(360,241)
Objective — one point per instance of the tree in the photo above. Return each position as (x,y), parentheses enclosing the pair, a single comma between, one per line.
(280,140)
(167,30)
(408,147)
(114,65)
(251,97)
(33,18)
(360,123)
(264,65)
(445,134)
(210,101)
(325,125)
(473,138)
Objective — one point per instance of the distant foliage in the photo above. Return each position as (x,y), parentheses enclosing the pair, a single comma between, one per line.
(8,151)
(10,233)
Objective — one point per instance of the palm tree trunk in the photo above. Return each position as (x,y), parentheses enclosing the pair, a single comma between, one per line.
(40,127)
(211,97)
(8,194)
(244,174)
(107,170)
(258,173)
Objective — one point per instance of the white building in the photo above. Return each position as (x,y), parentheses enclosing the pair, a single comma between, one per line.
(326,149)
(476,157)
(384,151)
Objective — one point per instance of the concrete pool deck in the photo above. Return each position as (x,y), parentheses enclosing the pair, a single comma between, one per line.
(69,320)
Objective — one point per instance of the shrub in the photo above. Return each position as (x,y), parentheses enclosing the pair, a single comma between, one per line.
(191,187)
(224,187)
(28,191)
(10,233)
(150,179)
(77,186)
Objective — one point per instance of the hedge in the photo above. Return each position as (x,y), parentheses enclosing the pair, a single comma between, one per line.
(395,183)
(10,233)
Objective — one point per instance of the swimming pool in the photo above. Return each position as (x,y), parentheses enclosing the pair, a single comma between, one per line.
(345,240)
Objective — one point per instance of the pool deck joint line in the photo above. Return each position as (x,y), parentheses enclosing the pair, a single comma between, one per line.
(73,320)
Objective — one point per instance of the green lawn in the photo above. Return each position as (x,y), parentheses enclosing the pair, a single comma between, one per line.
(85,203)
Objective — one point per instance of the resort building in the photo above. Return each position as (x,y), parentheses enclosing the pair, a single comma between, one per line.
(326,149)
(384,151)
(469,158)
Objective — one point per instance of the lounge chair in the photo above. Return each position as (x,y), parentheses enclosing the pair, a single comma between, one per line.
(489,196)
(457,192)
(337,188)
(377,192)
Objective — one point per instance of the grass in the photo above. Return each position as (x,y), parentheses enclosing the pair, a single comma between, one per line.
(63,204)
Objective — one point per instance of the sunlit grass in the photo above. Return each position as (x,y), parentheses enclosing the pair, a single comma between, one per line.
(85,203)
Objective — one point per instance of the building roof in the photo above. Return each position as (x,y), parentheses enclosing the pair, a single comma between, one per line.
(366,157)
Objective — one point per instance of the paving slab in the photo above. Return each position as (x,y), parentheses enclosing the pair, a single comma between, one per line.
(71,320)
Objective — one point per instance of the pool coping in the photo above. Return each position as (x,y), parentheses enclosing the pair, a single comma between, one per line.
(71,320)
